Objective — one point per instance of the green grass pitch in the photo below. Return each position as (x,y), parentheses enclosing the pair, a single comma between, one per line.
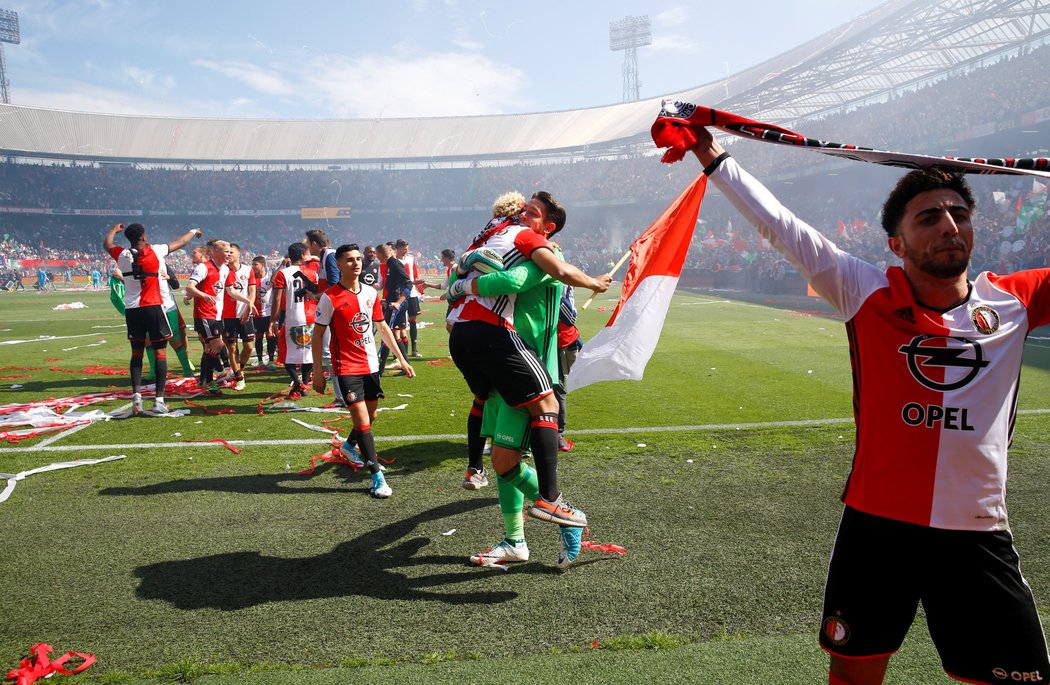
(720,474)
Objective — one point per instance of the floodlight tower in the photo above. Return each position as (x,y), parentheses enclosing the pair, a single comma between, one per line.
(629,34)
(8,34)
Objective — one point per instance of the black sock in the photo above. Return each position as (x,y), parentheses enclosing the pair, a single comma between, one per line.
(545,453)
(475,442)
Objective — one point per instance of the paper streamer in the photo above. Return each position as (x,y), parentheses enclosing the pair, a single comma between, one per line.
(13,478)
(30,670)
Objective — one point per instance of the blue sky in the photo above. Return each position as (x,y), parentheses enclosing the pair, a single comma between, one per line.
(311,60)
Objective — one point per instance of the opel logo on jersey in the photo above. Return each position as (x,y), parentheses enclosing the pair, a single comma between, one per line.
(360,323)
(942,362)
(985,319)
(368,278)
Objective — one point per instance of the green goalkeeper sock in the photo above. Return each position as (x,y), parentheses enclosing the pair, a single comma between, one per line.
(152,355)
(523,477)
(187,365)
(510,503)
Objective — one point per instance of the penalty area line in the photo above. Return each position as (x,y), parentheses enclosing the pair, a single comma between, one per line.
(446,436)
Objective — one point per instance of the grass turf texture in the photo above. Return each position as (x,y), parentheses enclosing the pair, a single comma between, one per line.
(188,562)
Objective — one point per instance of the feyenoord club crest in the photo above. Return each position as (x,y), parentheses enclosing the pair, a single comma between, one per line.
(302,335)
(836,630)
(985,319)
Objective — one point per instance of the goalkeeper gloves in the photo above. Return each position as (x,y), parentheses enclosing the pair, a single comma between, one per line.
(458,290)
(483,260)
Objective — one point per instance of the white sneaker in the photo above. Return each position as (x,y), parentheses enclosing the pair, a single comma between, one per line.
(475,479)
(160,406)
(136,403)
(502,553)
(239,385)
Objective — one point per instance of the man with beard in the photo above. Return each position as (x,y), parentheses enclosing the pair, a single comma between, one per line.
(936,359)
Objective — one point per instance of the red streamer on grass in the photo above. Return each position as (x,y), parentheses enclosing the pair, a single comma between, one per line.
(227,410)
(20,368)
(440,361)
(599,547)
(8,378)
(53,359)
(221,442)
(332,456)
(95,370)
(29,671)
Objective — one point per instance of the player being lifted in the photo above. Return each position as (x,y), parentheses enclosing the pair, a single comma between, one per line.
(349,309)
(492,356)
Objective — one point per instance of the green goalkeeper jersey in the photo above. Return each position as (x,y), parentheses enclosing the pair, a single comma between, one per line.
(535,308)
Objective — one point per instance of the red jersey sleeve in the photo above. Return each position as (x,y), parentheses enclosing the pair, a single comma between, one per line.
(115,252)
(278,280)
(1032,288)
(527,241)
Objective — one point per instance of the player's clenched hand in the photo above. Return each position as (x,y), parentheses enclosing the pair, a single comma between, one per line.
(602,282)
(409,371)
(318,383)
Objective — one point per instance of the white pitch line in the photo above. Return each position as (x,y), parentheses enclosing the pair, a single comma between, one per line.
(447,436)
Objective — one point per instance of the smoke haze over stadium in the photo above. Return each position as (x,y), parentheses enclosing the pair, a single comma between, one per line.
(379,60)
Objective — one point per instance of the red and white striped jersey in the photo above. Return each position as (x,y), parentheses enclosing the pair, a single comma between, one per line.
(350,317)
(298,309)
(263,301)
(935,393)
(515,244)
(145,290)
(243,277)
(213,280)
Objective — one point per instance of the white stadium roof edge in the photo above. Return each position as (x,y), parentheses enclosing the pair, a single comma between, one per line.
(899,44)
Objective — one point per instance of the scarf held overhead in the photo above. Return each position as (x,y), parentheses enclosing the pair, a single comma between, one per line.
(673,129)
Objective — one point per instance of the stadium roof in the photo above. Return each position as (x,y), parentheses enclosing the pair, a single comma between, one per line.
(900,44)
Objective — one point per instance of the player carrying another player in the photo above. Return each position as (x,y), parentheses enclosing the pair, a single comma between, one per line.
(349,309)
(491,355)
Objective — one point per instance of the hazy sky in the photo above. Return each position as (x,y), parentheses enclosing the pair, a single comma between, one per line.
(352,59)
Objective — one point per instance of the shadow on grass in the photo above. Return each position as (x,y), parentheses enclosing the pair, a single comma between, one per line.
(257,484)
(367,566)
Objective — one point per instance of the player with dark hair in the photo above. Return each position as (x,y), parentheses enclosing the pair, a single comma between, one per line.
(491,356)
(397,285)
(144,314)
(936,359)
(349,309)
(292,287)
(264,305)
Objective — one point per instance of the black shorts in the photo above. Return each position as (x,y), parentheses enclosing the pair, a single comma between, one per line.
(979,609)
(147,322)
(362,388)
(491,357)
(401,318)
(235,328)
(262,325)
(207,329)
(413,306)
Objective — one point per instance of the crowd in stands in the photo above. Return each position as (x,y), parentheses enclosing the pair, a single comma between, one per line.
(610,201)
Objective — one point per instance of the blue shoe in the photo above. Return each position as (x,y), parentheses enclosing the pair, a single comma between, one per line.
(379,489)
(571,538)
(351,454)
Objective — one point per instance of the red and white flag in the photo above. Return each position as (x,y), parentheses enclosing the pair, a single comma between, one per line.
(622,349)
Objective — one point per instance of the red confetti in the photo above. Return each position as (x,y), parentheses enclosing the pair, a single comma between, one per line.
(29,672)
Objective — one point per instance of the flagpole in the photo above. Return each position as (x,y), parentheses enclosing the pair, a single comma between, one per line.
(594,293)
